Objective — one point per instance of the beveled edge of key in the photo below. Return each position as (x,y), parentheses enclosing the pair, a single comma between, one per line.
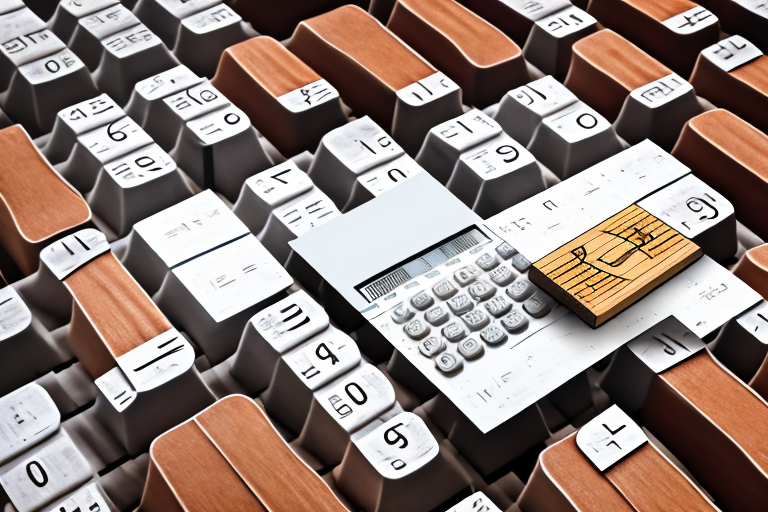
(752,268)
(23,142)
(267,62)
(494,39)
(354,14)
(246,405)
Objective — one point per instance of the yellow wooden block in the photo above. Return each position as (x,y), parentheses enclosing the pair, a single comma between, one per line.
(613,265)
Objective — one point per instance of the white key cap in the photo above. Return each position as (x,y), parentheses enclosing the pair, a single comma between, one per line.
(378,180)
(213,296)
(347,152)
(522,110)
(548,46)
(76,120)
(19,23)
(89,498)
(267,190)
(294,218)
(743,343)
(41,88)
(24,341)
(7,6)
(478,502)
(44,473)
(183,106)
(220,150)
(404,463)
(146,102)
(271,333)
(574,139)
(446,142)
(494,176)
(731,53)
(422,105)
(69,12)
(91,29)
(204,36)
(178,234)
(164,16)
(304,370)
(609,437)
(135,186)
(129,56)
(699,212)
(96,148)
(25,48)
(342,408)
(27,417)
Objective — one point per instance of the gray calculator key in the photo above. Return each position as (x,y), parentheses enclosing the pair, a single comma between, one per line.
(487,261)
(538,305)
(460,304)
(465,275)
(502,275)
(498,306)
(470,348)
(454,332)
(521,290)
(506,251)
(448,363)
(431,346)
(416,329)
(515,322)
(437,315)
(444,290)
(476,319)
(520,263)
(481,291)
(422,301)
(493,335)
(401,313)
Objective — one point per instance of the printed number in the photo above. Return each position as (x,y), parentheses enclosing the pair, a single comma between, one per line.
(41,478)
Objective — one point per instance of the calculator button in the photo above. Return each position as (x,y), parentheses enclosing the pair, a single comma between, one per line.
(521,290)
(422,301)
(431,346)
(470,349)
(416,329)
(401,313)
(492,335)
(502,275)
(538,305)
(465,275)
(460,304)
(444,290)
(481,291)
(448,363)
(506,251)
(498,306)
(487,261)
(476,319)
(454,332)
(515,322)
(437,315)
(520,263)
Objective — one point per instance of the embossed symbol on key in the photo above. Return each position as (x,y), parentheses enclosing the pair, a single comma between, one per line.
(611,266)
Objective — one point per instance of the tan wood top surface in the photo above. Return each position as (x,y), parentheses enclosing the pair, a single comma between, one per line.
(662,10)
(726,401)
(754,74)
(41,202)
(619,59)
(481,42)
(354,32)
(266,62)
(116,306)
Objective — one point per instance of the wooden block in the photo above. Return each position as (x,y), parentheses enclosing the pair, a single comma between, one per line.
(672,31)
(613,265)
(731,156)
(230,457)
(475,54)
(38,206)
(605,68)
(256,73)
(752,268)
